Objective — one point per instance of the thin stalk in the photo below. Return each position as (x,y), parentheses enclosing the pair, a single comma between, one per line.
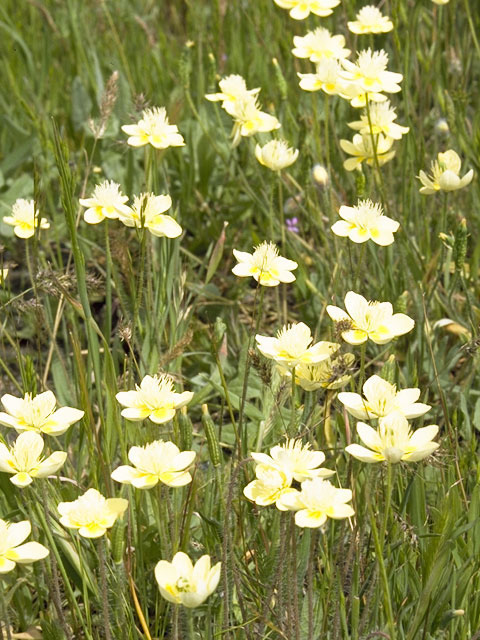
(4,619)
(293,420)
(311,562)
(388,500)
(104,588)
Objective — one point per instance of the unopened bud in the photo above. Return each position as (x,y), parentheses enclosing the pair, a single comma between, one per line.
(320,176)
(441,127)
(460,245)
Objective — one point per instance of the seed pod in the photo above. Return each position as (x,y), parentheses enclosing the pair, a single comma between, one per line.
(212,440)
(186,429)
(460,245)
(387,372)
(117,540)
(360,184)
(279,77)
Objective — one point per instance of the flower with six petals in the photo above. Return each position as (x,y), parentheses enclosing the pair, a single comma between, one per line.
(370,20)
(362,150)
(182,582)
(319,44)
(148,211)
(92,514)
(24,459)
(265,265)
(276,155)
(25,219)
(445,174)
(232,88)
(295,459)
(365,221)
(106,201)
(301,9)
(155,129)
(12,551)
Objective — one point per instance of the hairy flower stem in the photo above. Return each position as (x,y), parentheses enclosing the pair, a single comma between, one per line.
(358,273)
(4,617)
(294,584)
(310,566)
(104,588)
(388,500)
(284,243)
(361,376)
(374,140)
(292,429)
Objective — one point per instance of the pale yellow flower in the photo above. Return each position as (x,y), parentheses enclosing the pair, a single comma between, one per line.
(156,462)
(293,346)
(154,399)
(181,582)
(154,129)
(270,484)
(327,78)
(369,72)
(265,265)
(381,399)
(12,551)
(3,275)
(394,441)
(148,212)
(106,201)
(320,176)
(370,20)
(24,459)
(382,116)
(369,320)
(249,119)
(332,373)
(317,501)
(38,414)
(445,174)
(25,219)
(276,155)
(365,221)
(232,88)
(319,44)
(362,150)
(301,9)
(296,460)
(440,2)
(92,514)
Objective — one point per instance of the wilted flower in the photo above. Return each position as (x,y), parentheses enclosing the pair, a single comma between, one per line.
(394,441)
(154,399)
(369,320)
(249,119)
(106,201)
(148,212)
(317,501)
(292,347)
(25,218)
(370,20)
(265,265)
(181,582)
(24,459)
(276,155)
(319,44)
(12,534)
(362,150)
(154,129)
(331,373)
(370,73)
(156,462)
(365,221)
(327,78)
(295,459)
(382,116)
(91,514)
(232,88)
(445,174)
(382,399)
(270,484)
(38,414)
(301,9)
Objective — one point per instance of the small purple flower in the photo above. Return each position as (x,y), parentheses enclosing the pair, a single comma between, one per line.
(292,225)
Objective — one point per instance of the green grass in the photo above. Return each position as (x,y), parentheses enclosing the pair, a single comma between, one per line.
(87,311)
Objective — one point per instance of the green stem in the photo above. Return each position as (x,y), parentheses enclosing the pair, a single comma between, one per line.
(388,500)
(104,588)
(361,377)
(4,619)
(293,410)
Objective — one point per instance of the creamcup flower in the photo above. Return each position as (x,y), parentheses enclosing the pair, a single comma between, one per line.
(158,461)
(366,320)
(382,116)
(249,119)
(106,201)
(148,212)
(381,399)
(328,78)
(155,129)
(331,373)
(319,44)
(24,459)
(317,501)
(369,72)
(92,514)
(25,219)
(270,484)
(265,265)
(301,9)
(445,174)
(296,460)
(155,398)
(12,551)
(38,414)
(365,221)
(370,20)
(232,88)
(394,441)
(362,150)
(293,346)
(276,155)
(181,582)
